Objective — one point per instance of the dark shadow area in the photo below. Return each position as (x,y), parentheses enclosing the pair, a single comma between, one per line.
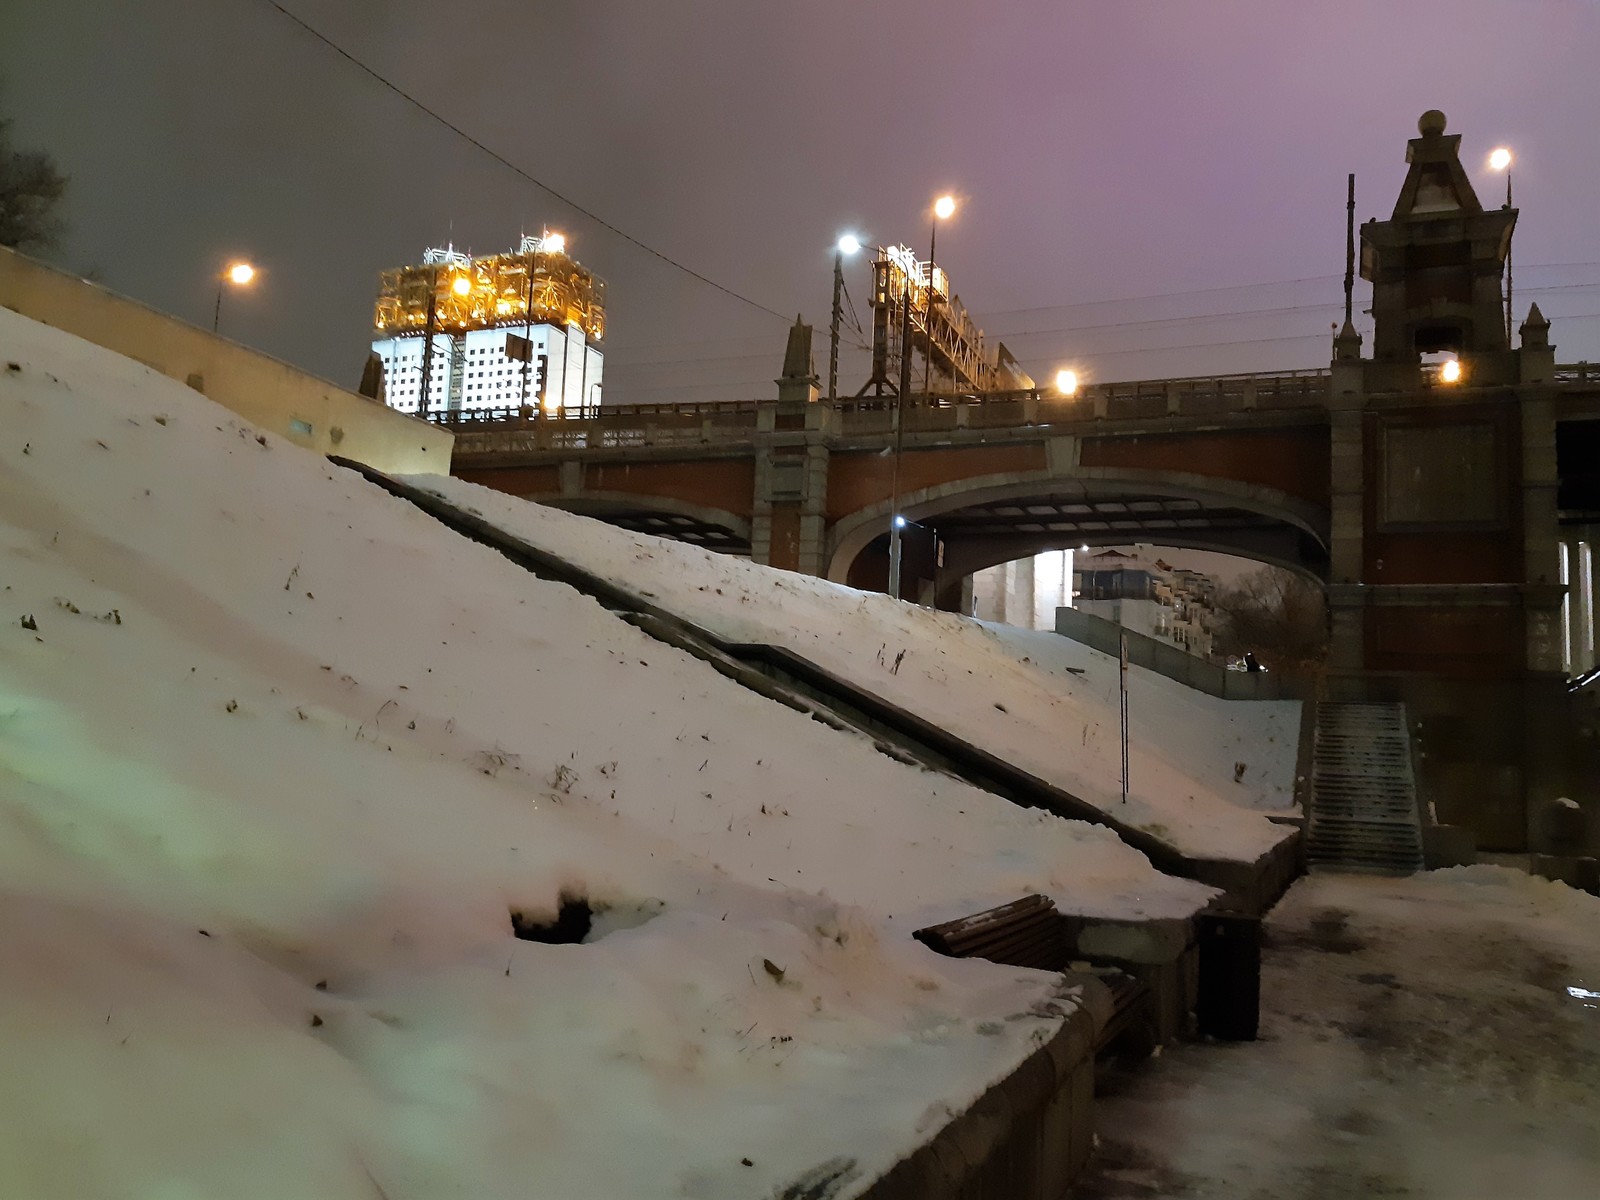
(573,921)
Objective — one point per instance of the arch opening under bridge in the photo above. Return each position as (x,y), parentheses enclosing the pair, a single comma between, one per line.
(984,522)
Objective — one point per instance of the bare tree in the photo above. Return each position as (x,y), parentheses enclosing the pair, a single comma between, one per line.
(1279,616)
(30,196)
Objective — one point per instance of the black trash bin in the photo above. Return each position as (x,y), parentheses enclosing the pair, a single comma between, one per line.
(1228,998)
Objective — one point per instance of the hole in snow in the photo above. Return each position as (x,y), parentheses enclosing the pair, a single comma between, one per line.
(572,924)
(578,921)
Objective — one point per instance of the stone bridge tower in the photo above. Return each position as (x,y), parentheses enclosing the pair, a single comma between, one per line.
(1444,582)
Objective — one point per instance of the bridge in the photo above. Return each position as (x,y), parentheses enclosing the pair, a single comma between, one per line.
(1236,463)
(1450,515)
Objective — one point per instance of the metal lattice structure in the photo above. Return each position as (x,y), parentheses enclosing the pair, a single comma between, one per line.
(915,297)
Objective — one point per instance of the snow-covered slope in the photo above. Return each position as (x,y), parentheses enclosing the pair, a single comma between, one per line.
(1003,689)
(281,756)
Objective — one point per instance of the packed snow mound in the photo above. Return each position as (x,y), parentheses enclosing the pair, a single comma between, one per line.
(1006,690)
(279,759)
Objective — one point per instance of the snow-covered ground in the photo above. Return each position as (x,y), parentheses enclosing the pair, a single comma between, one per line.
(279,755)
(1007,690)
(1436,1037)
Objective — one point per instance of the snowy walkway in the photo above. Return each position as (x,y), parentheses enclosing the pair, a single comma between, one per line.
(1418,1040)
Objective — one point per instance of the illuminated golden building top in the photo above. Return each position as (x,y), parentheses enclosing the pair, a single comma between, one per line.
(536,283)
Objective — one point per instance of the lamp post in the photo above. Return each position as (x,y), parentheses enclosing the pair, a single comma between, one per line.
(1500,160)
(848,244)
(238,274)
(557,244)
(896,521)
(943,208)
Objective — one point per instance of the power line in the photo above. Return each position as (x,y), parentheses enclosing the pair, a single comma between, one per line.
(511,166)
(1232,287)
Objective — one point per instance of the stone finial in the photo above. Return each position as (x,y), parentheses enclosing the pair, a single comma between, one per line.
(1347,343)
(1431,123)
(1535,330)
(797,362)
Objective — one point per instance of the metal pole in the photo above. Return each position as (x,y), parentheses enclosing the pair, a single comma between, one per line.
(216,313)
(1122,676)
(427,341)
(833,333)
(899,430)
(527,330)
(927,308)
(1508,265)
(1349,249)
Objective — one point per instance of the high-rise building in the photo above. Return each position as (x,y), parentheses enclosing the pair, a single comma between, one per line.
(458,334)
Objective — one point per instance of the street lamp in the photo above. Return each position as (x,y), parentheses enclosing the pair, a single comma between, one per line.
(1500,160)
(943,209)
(1067,382)
(847,244)
(1450,370)
(239,274)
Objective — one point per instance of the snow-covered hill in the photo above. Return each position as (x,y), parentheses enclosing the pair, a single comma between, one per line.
(279,756)
(1005,689)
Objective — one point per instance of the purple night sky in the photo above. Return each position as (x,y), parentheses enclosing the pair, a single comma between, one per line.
(1113,160)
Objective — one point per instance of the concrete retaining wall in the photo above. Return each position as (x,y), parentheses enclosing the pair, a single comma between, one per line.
(1166,659)
(271,395)
(1027,1137)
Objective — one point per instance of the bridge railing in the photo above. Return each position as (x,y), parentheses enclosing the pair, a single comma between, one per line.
(638,426)
(1580,373)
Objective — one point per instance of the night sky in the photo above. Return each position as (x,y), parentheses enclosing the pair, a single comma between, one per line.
(1147,188)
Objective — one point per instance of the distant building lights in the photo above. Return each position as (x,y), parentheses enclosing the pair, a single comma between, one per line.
(461,285)
(555,243)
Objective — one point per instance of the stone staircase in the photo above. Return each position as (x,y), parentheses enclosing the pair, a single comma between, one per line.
(1363,796)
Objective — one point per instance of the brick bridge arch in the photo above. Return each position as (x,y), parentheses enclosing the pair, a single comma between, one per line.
(1167,507)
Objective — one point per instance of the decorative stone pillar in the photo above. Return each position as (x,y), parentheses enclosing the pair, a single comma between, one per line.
(1347,498)
(791,465)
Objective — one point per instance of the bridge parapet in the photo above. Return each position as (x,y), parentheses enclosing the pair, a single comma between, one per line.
(737,424)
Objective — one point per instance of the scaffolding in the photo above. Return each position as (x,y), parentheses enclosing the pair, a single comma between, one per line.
(913,296)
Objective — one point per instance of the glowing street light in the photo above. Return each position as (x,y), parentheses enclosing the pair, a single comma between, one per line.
(1499,158)
(848,243)
(1067,382)
(944,207)
(1450,371)
(239,274)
